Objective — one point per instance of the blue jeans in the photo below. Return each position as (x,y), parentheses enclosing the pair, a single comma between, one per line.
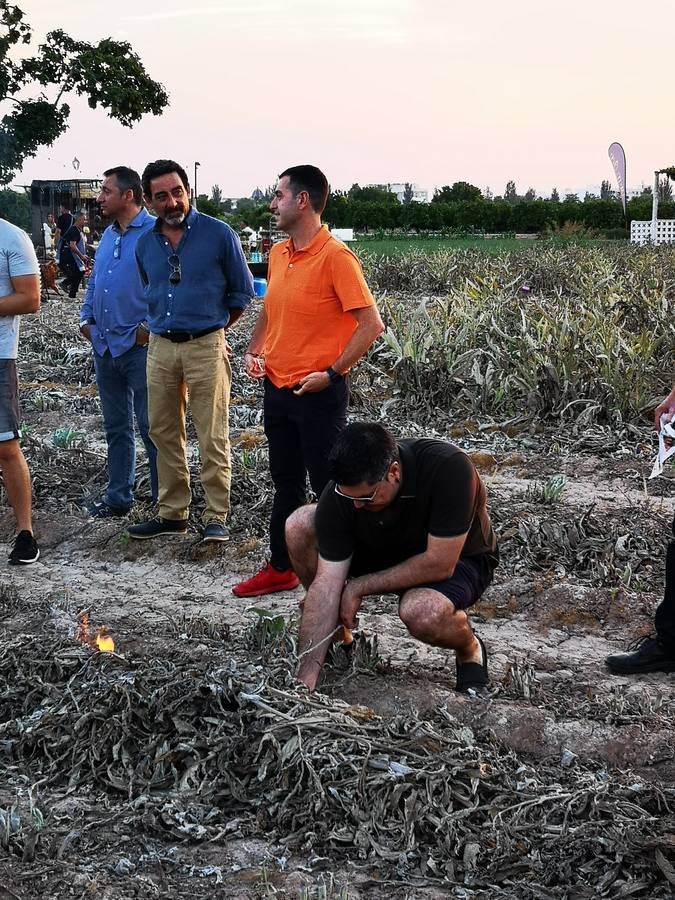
(122,388)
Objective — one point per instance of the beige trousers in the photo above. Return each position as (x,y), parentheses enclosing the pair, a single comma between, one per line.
(199,370)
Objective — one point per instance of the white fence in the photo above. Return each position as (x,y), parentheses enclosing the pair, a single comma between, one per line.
(641,232)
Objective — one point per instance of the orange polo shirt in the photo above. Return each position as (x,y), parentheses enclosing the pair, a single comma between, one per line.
(309,295)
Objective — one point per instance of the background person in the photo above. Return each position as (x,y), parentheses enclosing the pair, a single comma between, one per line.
(19,294)
(73,258)
(408,518)
(655,652)
(197,284)
(113,319)
(48,229)
(63,223)
(318,320)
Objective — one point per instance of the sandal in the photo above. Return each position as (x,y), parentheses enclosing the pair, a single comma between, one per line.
(472,675)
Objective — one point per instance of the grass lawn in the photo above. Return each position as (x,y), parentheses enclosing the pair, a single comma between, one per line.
(393,245)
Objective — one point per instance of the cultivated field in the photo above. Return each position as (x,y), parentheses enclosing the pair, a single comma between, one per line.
(189,765)
(394,245)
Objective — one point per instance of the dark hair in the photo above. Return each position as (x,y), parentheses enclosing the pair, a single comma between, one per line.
(127,180)
(362,452)
(310,179)
(162,167)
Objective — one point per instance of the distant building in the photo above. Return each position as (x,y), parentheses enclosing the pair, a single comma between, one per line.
(419,194)
(75,193)
(258,195)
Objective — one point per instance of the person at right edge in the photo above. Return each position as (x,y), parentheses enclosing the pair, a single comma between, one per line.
(655,652)
(318,319)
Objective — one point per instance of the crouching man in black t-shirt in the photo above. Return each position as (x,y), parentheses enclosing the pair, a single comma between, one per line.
(407,519)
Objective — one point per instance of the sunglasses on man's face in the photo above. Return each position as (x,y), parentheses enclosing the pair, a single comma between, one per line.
(175,274)
(357,499)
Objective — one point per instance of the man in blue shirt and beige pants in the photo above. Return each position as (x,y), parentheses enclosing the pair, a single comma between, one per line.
(198,284)
(113,319)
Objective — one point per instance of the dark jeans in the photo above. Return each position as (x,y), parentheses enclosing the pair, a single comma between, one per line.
(73,275)
(300,433)
(123,390)
(664,619)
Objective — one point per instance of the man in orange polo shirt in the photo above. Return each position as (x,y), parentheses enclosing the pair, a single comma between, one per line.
(318,320)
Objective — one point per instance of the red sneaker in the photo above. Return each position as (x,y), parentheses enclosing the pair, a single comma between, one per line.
(267,581)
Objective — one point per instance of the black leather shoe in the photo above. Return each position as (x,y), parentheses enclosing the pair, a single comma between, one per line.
(647,654)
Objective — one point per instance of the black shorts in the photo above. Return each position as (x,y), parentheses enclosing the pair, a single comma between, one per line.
(9,401)
(468,582)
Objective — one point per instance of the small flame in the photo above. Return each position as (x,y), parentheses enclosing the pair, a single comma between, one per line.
(100,641)
(103,641)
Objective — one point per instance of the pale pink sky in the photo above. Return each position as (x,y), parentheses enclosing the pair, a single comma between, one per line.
(429,91)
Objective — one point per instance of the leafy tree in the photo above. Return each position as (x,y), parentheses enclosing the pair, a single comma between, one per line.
(510,192)
(206,205)
(589,196)
(555,196)
(15,207)
(530,195)
(665,190)
(108,74)
(408,193)
(217,196)
(571,198)
(487,194)
(460,191)
(606,192)
(372,193)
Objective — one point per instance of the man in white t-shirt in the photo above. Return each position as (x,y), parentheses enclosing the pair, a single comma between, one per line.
(19,294)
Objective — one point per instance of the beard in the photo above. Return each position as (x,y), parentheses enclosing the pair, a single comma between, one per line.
(175,218)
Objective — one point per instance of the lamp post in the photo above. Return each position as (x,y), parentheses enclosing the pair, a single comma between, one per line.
(197,165)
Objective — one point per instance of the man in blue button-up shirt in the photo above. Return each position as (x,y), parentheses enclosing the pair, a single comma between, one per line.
(114,319)
(198,284)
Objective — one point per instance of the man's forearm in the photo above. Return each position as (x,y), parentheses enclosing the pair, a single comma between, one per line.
(235,313)
(358,345)
(19,303)
(319,621)
(257,342)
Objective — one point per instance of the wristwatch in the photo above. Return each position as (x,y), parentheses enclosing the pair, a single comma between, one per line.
(335,377)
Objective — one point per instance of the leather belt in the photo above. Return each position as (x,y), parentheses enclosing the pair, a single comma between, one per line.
(180,337)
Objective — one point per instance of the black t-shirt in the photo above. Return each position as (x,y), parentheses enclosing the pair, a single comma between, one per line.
(64,221)
(441,495)
(72,234)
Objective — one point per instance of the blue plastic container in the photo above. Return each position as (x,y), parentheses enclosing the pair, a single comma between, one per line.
(259,286)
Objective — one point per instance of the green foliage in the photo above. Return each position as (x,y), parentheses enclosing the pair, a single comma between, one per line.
(68,437)
(461,191)
(479,214)
(565,333)
(108,74)
(270,633)
(206,205)
(15,207)
(547,492)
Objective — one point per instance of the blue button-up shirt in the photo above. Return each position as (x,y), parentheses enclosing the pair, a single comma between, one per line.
(214,277)
(116,297)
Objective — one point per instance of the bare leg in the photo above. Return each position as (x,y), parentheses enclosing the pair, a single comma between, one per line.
(17,483)
(301,543)
(430,617)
